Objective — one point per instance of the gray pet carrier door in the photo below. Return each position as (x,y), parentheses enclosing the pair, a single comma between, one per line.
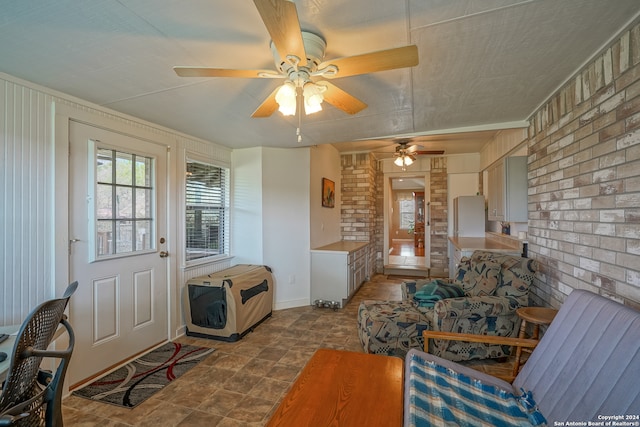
(208,306)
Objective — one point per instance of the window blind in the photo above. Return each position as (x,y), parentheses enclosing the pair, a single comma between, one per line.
(207,211)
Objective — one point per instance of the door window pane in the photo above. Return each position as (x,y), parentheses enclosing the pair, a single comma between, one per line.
(143,235)
(104,171)
(104,201)
(124,242)
(143,203)
(143,171)
(124,203)
(124,200)
(104,241)
(124,168)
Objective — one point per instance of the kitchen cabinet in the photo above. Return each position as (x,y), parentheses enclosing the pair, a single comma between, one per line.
(507,184)
(338,270)
(455,255)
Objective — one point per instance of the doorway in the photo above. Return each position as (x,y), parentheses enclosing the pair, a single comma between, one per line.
(407,223)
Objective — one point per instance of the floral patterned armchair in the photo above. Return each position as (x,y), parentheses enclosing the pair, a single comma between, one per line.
(494,285)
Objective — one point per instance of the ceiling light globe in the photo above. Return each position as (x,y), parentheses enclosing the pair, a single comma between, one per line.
(408,160)
(286,99)
(312,105)
(312,98)
(398,161)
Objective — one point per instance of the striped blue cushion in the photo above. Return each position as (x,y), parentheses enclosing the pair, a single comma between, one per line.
(441,396)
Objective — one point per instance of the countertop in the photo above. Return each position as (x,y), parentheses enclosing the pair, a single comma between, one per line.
(484,243)
(341,246)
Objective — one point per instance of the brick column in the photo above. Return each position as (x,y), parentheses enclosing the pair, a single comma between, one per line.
(359,194)
(439,217)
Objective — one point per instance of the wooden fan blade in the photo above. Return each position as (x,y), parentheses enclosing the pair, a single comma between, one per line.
(268,106)
(341,99)
(222,72)
(382,60)
(281,19)
(428,152)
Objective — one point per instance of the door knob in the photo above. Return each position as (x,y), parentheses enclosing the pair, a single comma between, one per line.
(164,254)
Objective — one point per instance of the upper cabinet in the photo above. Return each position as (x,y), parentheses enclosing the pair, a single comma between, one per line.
(507,185)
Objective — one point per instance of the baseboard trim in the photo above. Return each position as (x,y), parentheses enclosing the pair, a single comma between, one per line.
(291,304)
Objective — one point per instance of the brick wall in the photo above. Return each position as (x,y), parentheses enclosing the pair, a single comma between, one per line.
(584,181)
(358,212)
(358,192)
(439,215)
(379,223)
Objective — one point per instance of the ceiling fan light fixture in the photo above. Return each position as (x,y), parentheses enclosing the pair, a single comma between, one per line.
(299,55)
(404,160)
(313,97)
(286,99)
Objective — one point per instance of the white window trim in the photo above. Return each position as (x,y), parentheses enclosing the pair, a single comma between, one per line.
(191,156)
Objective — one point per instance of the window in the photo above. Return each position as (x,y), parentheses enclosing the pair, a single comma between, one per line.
(207,211)
(124,220)
(407,213)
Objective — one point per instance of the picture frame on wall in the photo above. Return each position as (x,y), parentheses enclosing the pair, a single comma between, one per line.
(328,193)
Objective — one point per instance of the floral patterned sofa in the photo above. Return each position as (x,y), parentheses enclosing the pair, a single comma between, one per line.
(494,285)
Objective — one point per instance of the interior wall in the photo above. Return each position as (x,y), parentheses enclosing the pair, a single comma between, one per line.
(247,223)
(324,221)
(286,229)
(584,180)
(27,206)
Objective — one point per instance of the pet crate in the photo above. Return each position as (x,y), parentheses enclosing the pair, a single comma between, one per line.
(228,304)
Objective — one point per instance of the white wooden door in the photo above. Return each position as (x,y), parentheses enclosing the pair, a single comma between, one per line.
(117,226)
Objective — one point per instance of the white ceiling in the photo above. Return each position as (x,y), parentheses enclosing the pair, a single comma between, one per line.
(484,64)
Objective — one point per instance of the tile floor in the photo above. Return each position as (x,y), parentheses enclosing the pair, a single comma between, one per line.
(241,383)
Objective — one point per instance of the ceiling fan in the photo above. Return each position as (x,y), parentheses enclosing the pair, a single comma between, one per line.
(405,155)
(299,61)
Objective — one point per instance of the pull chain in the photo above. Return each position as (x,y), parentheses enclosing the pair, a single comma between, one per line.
(299,105)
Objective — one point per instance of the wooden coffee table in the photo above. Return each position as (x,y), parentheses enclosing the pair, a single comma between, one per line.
(344,388)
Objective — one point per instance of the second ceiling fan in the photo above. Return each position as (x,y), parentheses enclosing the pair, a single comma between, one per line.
(405,154)
(299,59)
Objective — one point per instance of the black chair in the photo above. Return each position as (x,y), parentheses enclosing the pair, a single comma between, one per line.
(31,396)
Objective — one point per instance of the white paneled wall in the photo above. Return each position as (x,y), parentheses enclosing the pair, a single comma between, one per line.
(505,141)
(26,200)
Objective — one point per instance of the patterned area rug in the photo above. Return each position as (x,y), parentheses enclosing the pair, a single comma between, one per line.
(135,382)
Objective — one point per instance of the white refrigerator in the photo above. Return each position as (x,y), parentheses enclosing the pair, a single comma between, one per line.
(468,216)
